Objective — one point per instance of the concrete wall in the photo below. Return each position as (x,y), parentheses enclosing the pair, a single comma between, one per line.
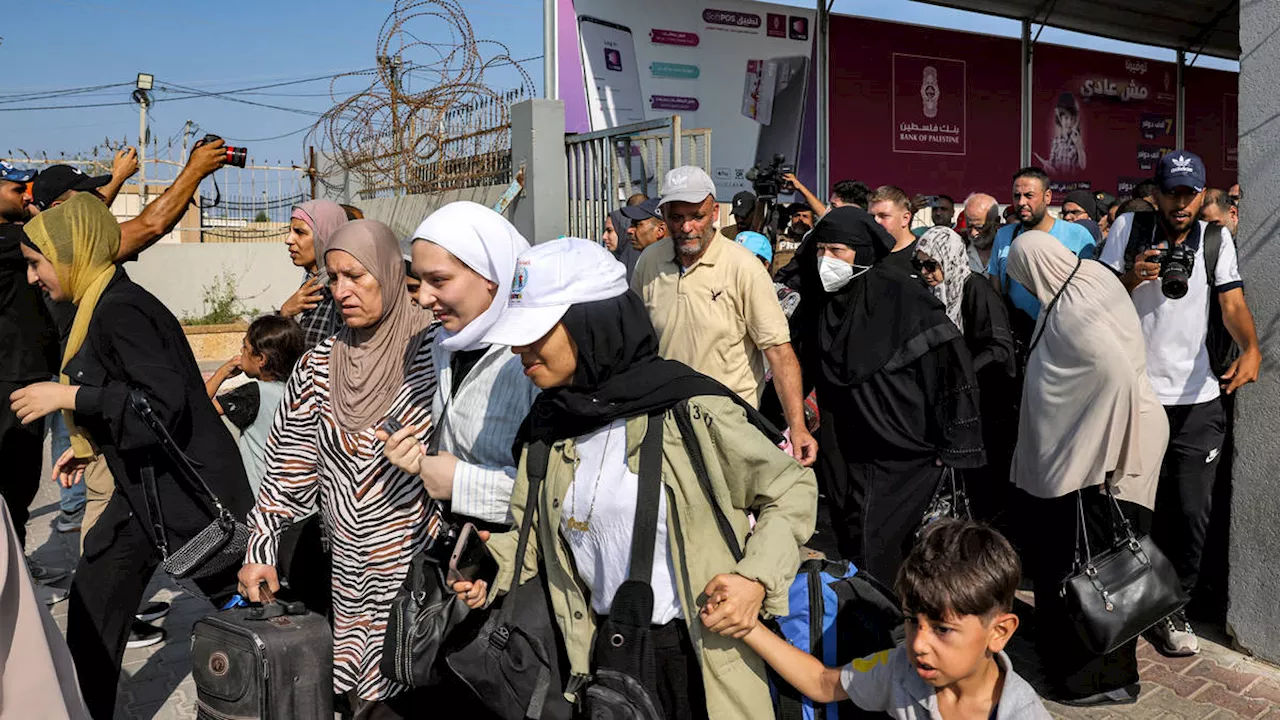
(403,214)
(1255,507)
(179,273)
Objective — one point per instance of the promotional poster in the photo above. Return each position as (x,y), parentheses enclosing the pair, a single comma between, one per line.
(743,69)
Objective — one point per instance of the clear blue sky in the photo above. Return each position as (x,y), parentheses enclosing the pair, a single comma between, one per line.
(52,45)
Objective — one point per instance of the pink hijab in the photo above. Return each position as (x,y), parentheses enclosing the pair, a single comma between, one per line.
(324,217)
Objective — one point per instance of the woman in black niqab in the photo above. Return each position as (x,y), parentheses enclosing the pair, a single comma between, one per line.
(895,388)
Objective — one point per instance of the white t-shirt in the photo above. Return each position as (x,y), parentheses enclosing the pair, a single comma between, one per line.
(603,552)
(1175,330)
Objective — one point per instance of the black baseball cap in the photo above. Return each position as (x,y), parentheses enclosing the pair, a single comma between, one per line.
(643,211)
(1180,169)
(50,184)
(744,203)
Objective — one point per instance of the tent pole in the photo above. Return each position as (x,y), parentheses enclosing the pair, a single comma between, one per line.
(1026,93)
(1180,116)
(823,174)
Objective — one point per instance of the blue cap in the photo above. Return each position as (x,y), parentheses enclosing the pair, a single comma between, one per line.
(13,174)
(643,211)
(756,243)
(1180,169)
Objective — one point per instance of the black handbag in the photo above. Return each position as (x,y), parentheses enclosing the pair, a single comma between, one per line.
(221,544)
(950,500)
(422,616)
(624,677)
(1114,596)
(512,664)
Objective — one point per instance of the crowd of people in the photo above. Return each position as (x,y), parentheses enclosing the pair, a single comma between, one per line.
(860,355)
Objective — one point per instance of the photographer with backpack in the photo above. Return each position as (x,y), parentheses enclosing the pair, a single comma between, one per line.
(1184,280)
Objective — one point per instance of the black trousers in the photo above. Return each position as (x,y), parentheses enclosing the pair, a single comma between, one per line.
(21,447)
(1184,498)
(679,672)
(1049,532)
(117,563)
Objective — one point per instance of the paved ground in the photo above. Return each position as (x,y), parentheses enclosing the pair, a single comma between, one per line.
(1219,684)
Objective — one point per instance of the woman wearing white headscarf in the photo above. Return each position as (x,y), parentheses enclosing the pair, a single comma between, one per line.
(465,256)
(978,311)
(1089,417)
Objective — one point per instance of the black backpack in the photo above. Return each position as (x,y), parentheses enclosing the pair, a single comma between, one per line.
(1218,341)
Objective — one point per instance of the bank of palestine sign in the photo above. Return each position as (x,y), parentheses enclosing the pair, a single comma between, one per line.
(929,110)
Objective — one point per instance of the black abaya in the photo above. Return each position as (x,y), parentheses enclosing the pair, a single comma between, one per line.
(990,342)
(880,442)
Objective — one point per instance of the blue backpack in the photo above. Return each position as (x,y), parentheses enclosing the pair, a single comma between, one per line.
(837,614)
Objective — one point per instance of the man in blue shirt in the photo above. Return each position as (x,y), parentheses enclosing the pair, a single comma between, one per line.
(1031,199)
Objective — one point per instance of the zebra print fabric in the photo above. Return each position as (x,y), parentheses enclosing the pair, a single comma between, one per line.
(374,513)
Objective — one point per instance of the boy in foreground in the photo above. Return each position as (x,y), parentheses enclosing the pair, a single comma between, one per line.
(957,589)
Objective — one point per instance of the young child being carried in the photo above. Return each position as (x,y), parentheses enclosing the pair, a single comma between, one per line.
(270,349)
(956,589)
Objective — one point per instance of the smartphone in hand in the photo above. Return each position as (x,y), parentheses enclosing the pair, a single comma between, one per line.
(391,426)
(471,559)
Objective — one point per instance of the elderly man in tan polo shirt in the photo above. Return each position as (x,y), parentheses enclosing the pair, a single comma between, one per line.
(714,305)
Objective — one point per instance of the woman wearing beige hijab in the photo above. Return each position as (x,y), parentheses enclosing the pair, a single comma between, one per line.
(1089,417)
(322,454)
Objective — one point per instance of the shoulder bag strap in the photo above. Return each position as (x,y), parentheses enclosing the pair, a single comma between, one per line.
(1212,248)
(143,407)
(150,492)
(693,449)
(1047,311)
(648,492)
(536,472)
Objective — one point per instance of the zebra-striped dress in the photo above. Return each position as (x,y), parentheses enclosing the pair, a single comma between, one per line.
(374,513)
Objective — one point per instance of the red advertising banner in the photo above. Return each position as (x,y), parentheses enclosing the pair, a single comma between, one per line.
(1099,120)
(933,111)
(938,111)
(1213,124)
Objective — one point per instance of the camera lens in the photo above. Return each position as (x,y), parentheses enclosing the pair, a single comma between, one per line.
(1174,283)
(237,156)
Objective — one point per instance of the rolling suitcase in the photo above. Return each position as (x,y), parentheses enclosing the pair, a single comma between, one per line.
(273,662)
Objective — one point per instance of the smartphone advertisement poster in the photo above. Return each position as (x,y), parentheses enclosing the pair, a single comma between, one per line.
(743,69)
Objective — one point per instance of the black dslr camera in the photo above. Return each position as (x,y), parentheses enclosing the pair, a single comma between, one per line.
(236,156)
(1176,264)
(766,180)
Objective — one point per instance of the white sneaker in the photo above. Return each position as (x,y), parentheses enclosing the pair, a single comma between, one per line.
(143,635)
(1173,637)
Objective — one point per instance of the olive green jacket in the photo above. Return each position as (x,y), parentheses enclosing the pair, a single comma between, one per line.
(746,472)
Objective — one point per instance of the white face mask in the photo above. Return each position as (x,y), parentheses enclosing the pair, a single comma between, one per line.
(836,273)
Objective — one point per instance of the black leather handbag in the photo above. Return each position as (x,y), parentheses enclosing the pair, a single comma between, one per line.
(421,619)
(1114,596)
(221,544)
(512,663)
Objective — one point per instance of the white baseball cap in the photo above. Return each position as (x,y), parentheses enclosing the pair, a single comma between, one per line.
(549,278)
(686,183)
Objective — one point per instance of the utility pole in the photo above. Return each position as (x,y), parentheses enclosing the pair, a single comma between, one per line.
(311,171)
(186,138)
(142,96)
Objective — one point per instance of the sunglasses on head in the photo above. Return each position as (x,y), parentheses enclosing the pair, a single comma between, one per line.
(930,266)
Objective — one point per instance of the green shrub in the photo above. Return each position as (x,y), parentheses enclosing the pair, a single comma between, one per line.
(223,304)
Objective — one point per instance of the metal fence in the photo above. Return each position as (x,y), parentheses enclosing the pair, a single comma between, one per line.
(249,204)
(608,166)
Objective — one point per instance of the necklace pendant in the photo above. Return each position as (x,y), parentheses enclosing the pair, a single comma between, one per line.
(578,525)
